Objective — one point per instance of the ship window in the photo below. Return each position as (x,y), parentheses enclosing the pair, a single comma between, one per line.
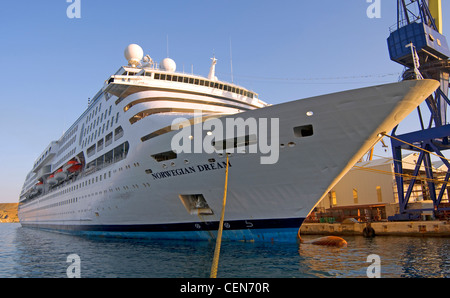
(91,150)
(156,76)
(202,83)
(168,155)
(100,160)
(333,198)
(196,81)
(100,145)
(303,131)
(235,142)
(120,152)
(355,196)
(118,133)
(379,194)
(169,77)
(175,78)
(108,139)
(163,76)
(186,80)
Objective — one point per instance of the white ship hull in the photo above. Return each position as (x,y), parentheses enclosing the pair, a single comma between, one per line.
(140,197)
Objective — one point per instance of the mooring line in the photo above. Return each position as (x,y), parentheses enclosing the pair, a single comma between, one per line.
(215,263)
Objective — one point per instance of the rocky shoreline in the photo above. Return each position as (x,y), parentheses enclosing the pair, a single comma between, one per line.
(8,212)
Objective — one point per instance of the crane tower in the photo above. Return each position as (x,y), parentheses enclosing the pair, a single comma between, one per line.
(416,42)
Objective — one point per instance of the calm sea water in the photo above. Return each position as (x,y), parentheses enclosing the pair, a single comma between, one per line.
(33,253)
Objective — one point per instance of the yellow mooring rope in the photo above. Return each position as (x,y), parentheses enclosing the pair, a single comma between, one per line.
(215,263)
(412,145)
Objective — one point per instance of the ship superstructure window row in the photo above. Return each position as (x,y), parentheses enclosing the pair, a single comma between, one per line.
(99,126)
(67,156)
(176,99)
(201,82)
(193,81)
(67,145)
(68,136)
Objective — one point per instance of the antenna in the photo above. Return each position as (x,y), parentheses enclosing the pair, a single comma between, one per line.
(231,62)
(167,42)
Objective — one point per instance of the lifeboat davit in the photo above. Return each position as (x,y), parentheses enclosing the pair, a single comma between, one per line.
(72,166)
(51,179)
(60,174)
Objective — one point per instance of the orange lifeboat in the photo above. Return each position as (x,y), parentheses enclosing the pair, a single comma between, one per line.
(51,179)
(60,174)
(72,166)
(39,186)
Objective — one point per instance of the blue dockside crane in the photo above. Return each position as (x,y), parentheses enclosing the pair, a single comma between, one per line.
(416,42)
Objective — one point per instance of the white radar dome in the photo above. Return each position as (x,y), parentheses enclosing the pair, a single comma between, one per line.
(168,65)
(133,54)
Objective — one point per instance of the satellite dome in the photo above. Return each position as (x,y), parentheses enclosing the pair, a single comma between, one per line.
(133,54)
(168,65)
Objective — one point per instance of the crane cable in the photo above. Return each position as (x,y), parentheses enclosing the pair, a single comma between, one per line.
(438,171)
(398,174)
(417,147)
(401,174)
(215,263)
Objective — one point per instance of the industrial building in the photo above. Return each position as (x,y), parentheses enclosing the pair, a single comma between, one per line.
(368,192)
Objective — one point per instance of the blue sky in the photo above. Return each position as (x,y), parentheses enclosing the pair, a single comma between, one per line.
(284,50)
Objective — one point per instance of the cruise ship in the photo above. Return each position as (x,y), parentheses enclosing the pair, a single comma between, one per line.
(149,156)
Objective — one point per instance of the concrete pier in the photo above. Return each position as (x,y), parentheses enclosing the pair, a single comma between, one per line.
(406,228)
